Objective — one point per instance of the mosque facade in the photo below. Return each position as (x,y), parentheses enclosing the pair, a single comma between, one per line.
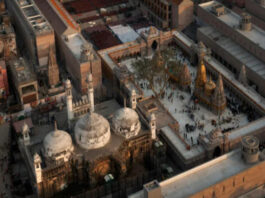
(97,147)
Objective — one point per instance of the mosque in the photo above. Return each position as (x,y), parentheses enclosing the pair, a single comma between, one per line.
(97,147)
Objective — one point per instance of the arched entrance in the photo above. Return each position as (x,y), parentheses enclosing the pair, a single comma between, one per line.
(217,152)
(154,45)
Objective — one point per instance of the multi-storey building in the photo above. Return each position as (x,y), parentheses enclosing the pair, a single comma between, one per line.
(76,53)
(24,81)
(234,41)
(34,32)
(169,13)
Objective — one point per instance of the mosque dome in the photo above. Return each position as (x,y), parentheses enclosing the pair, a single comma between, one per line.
(125,122)
(58,143)
(92,131)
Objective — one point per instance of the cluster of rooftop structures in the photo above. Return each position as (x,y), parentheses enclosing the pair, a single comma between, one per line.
(86,119)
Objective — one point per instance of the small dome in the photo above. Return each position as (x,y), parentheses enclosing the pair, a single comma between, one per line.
(92,131)
(57,142)
(125,122)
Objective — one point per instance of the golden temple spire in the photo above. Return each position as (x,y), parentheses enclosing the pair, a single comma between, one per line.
(201,75)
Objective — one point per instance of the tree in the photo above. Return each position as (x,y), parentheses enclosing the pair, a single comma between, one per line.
(154,71)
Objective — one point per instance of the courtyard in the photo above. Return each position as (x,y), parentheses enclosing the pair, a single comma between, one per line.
(194,119)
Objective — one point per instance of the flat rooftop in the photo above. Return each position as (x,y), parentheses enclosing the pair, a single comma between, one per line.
(21,71)
(242,131)
(230,18)
(74,42)
(34,17)
(250,61)
(193,181)
(125,33)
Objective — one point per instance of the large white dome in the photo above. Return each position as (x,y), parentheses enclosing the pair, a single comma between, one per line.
(125,122)
(58,144)
(92,131)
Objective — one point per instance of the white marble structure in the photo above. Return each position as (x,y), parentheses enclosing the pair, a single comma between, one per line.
(125,122)
(57,146)
(92,131)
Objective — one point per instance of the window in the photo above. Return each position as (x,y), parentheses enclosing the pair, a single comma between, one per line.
(243,179)
(223,188)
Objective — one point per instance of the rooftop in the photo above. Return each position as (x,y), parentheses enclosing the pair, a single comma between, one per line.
(21,71)
(75,42)
(34,17)
(247,59)
(125,33)
(230,18)
(177,187)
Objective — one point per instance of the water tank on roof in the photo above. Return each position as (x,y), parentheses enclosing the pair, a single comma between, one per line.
(245,23)
(250,149)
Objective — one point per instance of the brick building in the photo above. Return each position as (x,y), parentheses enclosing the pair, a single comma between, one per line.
(75,52)
(170,13)
(34,32)
(24,81)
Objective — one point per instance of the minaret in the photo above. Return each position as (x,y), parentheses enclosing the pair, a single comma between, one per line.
(53,71)
(69,100)
(133,100)
(201,75)
(219,99)
(152,125)
(25,134)
(37,167)
(242,78)
(91,92)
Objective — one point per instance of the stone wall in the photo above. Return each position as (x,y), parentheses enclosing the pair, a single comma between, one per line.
(237,184)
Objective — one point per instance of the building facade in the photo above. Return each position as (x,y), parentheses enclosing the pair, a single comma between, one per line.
(35,33)
(75,52)
(234,41)
(245,175)
(102,146)
(24,81)
(169,14)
